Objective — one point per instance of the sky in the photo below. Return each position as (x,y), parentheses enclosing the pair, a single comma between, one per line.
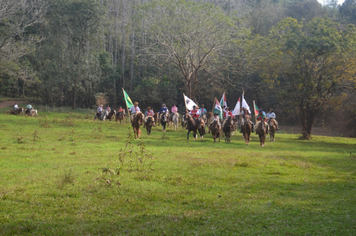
(324,1)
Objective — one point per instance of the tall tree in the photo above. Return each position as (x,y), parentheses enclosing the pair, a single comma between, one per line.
(192,36)
(306,64)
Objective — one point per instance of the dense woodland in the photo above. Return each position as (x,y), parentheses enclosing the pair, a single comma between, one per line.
(296,56)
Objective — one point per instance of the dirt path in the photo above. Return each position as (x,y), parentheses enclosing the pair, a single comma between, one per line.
(11,103)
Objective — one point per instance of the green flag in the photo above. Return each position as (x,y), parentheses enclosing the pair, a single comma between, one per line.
(218,109)
(128,101)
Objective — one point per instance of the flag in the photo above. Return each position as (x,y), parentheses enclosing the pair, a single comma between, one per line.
(257,110)
(189,103)
(128,101)
(236,110)
(223,101)
(244,104)
(218,109)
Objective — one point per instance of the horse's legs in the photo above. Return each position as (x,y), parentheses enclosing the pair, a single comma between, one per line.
(188,135)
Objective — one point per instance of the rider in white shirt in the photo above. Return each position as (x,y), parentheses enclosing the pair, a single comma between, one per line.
(271,115)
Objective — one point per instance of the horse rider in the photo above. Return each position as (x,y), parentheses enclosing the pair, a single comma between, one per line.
(174,110)
(203,112)
(215,118)
(261,117)
(226,115)
(149,112)
(163,110)
(245,113)
(120,109)
(271,116)
(99,111)
(135,109)
(28,109)
(195,113)
(108,108)
(16,107)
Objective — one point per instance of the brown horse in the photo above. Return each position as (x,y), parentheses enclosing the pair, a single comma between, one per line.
(272,129)
(149,123)
(215,130)
(111,114)
(228,128)
(17,111)
(247,128)
(120,116)
(209,116)
(194,125)
(136,123)
(156,115)
(262,130)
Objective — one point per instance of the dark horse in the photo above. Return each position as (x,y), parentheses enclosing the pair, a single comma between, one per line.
(120,116)
(149,123)
(215,130)
(228,128)
(163,119)
(17,111)
(272,129)
(247,129)
(194,125)
(136,123)
(111,114)
(262,130)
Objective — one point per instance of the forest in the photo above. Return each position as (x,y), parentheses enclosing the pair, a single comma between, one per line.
(296,56)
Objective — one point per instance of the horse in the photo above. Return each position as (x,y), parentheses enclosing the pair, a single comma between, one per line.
(175,120)
(209,116)
(272,129)
(120,116)
(163,117)
(111,114)
(17,111)
(155,116)
(136,123)
(184,122)
(262,130)
(195,126)
(32,112)
(227,128)
(247,129)
(149,123)
(215,130)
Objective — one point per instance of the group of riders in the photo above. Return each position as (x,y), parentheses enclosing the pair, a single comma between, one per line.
(200,115)
(29,107)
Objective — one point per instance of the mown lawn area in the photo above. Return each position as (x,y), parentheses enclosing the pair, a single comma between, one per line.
(59,177)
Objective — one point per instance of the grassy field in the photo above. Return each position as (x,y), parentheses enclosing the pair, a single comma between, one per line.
(58,177)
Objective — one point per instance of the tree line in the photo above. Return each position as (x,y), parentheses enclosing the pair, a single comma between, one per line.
(295,56)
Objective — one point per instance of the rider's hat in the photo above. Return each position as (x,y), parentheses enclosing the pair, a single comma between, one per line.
(271,109)
(226,108)
(163,105)
(149,108)
(101,105)
(216,114)
(194,106)
(202,105)
(136,103)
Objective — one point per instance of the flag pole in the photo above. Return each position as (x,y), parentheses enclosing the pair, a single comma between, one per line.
(254,110)
(127,108)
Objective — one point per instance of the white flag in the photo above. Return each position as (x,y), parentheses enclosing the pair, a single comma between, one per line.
(189,103)
(236,110)
(223,100)
(244,104)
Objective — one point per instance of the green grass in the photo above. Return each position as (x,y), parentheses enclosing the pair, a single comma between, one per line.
(52,181)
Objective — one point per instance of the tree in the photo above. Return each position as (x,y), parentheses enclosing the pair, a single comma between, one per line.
(194,37)
(306,64)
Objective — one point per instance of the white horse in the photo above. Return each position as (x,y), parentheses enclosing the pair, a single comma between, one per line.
(175,120)
(33,112)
